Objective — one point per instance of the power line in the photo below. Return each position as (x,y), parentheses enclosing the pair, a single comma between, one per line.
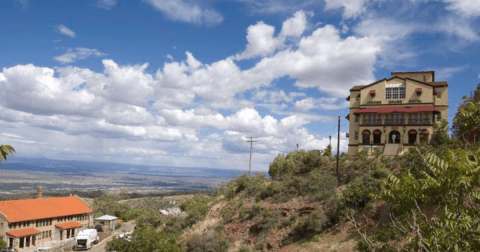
(251,146)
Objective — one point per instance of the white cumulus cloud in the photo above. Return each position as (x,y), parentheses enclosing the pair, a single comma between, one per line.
(79,53)
(66,31)
(106,4)
(187,11)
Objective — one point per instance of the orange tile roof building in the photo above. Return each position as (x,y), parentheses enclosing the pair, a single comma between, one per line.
(391,115)
(29,223)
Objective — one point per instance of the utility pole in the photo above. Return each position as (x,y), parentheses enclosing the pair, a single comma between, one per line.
(251,145)
(297,146)
(338,149)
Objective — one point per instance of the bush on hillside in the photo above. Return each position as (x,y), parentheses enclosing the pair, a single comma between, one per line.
(358,192)
(298,163)
(146,239)
(144,217)
(246,185)
(313,224)
(317,185)
(269,221)
(107,205)
(208,242)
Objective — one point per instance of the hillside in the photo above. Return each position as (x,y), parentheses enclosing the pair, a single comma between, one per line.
(426,200)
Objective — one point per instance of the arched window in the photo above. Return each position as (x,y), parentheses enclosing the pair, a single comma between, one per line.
(366,136)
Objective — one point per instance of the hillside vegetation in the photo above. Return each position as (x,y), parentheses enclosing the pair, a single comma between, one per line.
(425,200)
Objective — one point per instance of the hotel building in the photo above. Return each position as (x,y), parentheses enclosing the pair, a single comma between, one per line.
(393,114)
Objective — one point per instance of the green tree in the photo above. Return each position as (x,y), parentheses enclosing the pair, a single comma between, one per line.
(6,150)
(469,119)
(3,244)
(459,128)
(146,239)
(328,151)
(449,182)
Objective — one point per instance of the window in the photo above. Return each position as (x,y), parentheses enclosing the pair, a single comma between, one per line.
(356,118)
(356,135)
(439,117)
(395,93)
(439,94)
(357,98)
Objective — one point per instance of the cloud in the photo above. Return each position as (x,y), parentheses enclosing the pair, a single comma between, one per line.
(351,8)
(189,112)
(326,103)
(106,4)
(79,53)
(466,8)
(279,6)
(261,41)
(448,72)
(296,25)
(187,11)
(66,31)
(25,3)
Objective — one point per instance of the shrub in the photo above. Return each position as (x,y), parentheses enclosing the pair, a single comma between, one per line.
(3,244)
(290,221)
(196,208)
(227,215)
(174,225)
(315,223)
(99,228)
(244,248)
(246,185)
(297,163)
(357,194)
(268,222)
(146,239)
(252,213)
(207,243)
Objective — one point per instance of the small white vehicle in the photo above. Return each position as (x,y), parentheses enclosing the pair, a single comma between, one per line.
(85,238)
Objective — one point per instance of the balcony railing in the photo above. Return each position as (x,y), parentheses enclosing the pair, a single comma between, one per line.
(422,121)
(372,122)
(396,121)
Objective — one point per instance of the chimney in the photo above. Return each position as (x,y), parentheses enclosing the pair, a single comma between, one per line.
(39,192)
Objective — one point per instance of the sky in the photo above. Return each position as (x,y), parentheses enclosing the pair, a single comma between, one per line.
(184,82)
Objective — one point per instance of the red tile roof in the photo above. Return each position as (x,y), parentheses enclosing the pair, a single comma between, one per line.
(33,209)
(69,225)
(23,232)
(385,110)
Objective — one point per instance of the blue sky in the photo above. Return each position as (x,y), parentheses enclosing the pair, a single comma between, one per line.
(183,82)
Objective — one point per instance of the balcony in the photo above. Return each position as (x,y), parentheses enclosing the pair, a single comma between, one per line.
(395,122)
(367,122)
(423,121)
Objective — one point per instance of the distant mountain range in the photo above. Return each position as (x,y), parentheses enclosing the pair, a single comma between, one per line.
(74,167)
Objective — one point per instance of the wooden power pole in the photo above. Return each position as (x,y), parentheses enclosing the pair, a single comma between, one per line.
(251,146)
(338,149)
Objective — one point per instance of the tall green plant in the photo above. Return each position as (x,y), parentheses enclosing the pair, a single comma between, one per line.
(5,151)
(451,183)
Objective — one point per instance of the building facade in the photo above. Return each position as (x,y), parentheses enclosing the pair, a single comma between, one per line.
(393,114)
(108,222)
(29,223)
